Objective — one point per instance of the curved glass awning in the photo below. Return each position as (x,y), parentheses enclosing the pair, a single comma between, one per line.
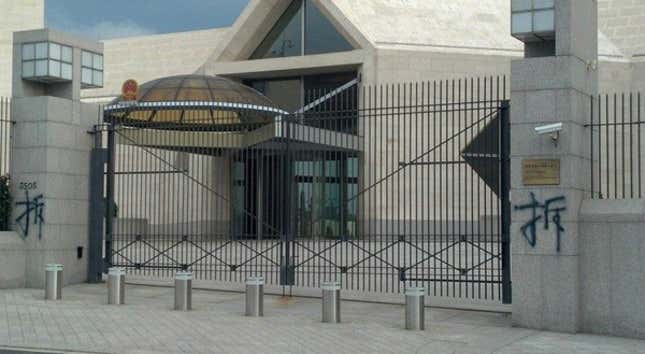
(194,101)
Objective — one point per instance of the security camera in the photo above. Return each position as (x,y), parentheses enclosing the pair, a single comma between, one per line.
(549,129)
(553,129)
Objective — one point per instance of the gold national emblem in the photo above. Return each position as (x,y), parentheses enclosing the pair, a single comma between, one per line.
(130,90)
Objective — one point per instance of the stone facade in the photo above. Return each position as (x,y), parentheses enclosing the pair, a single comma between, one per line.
(13,260)
(151,57)
(623,21)
(612,267)
(17,15)
(51,153)
(396,40)
(51,161)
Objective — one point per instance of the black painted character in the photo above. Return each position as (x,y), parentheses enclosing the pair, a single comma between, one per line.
(542,212)
(35,206)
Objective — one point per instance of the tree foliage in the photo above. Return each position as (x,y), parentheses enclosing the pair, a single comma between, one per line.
(5,203)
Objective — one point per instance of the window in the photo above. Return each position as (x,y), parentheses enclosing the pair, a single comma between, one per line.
(533,20)
(91,69)
(320,34)
(286,38)
(326,186)
(315,94)
(292,93)
(46,61)
(286,93)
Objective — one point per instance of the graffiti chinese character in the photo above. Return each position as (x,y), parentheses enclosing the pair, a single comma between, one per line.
(37,207)
(542,211)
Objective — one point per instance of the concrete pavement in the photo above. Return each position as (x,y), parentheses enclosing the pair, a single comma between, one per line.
(83,323)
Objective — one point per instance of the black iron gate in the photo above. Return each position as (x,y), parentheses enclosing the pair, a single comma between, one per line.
(376,187)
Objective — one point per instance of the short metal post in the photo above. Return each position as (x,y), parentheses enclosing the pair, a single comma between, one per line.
(415,309)
(54,282)
(184,291)
(116,286)
(331,302)
(255,297)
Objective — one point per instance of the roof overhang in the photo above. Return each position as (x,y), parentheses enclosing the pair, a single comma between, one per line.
(260,16)
(302,65)
(270,136)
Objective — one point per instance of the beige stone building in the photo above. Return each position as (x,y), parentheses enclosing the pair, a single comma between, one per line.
(16,16)
(365,42)
(391,41)
(285,48)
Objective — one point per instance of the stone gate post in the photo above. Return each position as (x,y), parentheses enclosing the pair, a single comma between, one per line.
(551,171)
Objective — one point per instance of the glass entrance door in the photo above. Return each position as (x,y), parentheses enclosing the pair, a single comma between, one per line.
(323,187)
(319,208)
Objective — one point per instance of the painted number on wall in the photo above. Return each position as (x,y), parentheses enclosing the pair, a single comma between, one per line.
(28,186)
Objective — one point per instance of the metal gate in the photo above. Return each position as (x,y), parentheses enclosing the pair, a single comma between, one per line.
(378,187)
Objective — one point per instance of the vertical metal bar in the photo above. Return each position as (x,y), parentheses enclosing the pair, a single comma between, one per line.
(622,141)
(607,152)
(591,145)
(599,146)
(96,209)
(109,216)
(441,206)
(505,188)
(451,187)
(615,146)
(631,145)
(434,185)
(640,171)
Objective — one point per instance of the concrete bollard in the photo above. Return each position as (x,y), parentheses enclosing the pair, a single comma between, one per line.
(54,282)
(415,309)
(116,286)
(255,297)
(331,302)
(184,291)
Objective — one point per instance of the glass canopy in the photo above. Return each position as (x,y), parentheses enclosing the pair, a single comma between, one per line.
(189,101)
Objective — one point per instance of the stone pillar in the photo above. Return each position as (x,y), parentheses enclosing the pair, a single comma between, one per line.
(51,157)
(51,161)
(548,90)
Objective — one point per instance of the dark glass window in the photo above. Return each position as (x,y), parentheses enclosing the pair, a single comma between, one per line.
(320,34)
(319,95)
(285,39)
(325,187)
(286,93)
(324,101)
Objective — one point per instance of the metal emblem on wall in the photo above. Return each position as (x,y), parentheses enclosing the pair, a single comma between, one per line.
(130,90)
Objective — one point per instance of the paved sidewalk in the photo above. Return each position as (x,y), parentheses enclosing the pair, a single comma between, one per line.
(82,322)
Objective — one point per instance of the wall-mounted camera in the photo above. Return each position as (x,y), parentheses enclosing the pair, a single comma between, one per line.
(552,129)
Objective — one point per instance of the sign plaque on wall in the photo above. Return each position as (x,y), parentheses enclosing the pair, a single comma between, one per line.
(541,172)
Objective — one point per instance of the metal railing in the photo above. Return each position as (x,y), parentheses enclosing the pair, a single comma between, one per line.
(5,135)
(378,187)
(617,146)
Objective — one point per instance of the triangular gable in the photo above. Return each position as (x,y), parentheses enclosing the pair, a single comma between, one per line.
(301,30)
(260,16)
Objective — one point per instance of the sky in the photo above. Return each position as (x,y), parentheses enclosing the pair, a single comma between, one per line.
(106,19)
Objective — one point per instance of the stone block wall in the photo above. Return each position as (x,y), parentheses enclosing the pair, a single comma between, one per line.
(612,267)
(151,57)
(623,21)
(12,260)
(51,158)
(16,15)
